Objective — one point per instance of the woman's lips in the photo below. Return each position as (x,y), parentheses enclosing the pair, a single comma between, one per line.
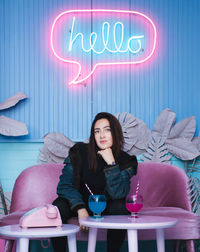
(103,142)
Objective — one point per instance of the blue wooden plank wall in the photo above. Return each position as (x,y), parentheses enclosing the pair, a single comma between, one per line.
(171,78)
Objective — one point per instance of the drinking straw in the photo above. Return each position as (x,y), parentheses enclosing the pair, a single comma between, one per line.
(137,190)
(89,190)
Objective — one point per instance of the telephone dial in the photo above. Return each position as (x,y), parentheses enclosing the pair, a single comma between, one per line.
(43,216)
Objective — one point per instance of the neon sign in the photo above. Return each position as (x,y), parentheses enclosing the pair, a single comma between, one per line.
(105,29)
(108,40)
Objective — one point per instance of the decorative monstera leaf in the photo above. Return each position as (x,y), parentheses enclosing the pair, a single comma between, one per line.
(179,141)
(163,125)
(157,152)
(12,101)
(56,148)
(196,142)
(183,149)
(11,127)
(184,129)
(8,126)
(136,133)
(176,139)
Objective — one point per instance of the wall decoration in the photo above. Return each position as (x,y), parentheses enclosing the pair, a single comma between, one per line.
(55,149)
(167,138)
(192,168)
(3,200)
(8,126)
(109,42)
(159,145)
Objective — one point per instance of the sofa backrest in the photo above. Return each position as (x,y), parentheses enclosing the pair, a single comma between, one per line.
(160,185)
(35,186)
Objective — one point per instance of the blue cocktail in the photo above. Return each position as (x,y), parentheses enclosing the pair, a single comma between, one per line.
(97,204)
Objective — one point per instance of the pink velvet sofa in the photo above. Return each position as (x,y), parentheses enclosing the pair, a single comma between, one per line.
(163,187)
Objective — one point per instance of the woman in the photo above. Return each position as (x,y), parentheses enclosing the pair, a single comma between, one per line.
(105,168)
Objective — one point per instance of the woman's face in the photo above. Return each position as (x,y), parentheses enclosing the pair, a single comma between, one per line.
(102,134)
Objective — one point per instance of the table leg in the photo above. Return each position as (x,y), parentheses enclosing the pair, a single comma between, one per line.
(72,243)
(160,240)
(22,245)
(92,239)
(132,240)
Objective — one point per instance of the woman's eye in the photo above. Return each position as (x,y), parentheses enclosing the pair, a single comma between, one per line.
(108,130)
(96,131)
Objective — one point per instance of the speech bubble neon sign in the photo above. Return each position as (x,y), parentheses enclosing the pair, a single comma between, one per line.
(109,46)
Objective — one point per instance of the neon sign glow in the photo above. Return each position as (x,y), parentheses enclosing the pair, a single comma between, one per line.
(70,46)
(105,28)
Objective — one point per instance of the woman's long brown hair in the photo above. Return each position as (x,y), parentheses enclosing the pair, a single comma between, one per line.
(117,137)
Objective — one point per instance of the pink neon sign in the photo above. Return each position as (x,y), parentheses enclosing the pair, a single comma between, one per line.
(108,40)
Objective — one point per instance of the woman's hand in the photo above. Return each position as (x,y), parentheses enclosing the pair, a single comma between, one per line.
(107,155)
(83,213)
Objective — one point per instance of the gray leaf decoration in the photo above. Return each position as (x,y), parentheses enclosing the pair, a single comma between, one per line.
(194,194)
(135,151)
(136,133)
(196,142)
(157,152)
(3,200)
(163,124)
(45,156)
(11,127)
(185,128)
(177,138)
(128,122)
(5,203)
(193,166)
(182,148)
(56,148)
(12,101)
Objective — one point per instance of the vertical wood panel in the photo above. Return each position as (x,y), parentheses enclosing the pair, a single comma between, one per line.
(30,67)
(170,79)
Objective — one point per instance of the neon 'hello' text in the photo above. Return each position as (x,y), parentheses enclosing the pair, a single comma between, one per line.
(105,33)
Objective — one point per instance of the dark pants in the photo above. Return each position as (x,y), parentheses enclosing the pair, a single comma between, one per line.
(115,237)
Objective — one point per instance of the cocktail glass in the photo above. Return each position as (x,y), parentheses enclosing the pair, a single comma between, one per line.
(97,204)
(134,204)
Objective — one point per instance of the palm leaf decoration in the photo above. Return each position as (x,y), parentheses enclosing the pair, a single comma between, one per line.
(168,139)
(192,168)
(194,194)
(3,200)
(157,152)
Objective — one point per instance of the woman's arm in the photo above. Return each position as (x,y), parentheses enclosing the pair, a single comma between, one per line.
(66,188)
(118,180)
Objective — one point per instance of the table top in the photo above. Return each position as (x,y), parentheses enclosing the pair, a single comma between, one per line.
(16,231)
(125,222)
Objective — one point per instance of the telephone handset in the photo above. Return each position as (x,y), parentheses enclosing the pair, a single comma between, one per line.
(43,216)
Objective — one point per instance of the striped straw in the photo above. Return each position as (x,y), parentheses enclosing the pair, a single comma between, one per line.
(137,190)
(89,189)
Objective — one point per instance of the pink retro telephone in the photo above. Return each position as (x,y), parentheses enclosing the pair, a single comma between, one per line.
(43,216)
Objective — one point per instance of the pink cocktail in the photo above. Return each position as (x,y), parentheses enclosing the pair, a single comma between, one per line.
(134,204)
(133,208)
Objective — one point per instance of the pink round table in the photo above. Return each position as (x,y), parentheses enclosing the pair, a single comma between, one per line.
(132,225)
(24,234)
